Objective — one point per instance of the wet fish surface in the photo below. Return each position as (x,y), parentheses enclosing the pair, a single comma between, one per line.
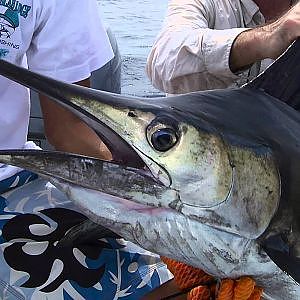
(208,178)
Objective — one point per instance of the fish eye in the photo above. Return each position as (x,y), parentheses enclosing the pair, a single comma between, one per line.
(163,139)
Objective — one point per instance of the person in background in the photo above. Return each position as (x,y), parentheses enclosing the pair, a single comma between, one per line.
(64,40)
(211,44)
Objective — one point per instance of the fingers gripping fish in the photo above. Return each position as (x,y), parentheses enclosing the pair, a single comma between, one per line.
(208,178)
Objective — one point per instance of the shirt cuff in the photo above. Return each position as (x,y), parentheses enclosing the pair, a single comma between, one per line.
(217,47)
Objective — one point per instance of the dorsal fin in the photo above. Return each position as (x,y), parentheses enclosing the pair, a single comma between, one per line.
(282,78)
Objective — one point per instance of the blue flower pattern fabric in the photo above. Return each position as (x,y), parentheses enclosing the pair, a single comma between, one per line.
(34,217)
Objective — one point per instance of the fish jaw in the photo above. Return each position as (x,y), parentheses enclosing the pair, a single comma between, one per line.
(104,176)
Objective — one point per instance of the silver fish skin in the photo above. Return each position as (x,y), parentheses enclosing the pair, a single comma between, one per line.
(205,178)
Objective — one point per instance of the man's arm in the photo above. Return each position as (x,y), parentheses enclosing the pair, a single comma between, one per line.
(66,132)
(268,41)
(79,49)
(188,55)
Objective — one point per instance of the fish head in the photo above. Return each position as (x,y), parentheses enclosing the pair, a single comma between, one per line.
(174,181)
(182,160)
(189,160)
(218,182)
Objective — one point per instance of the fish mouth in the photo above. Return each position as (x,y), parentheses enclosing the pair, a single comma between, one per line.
(106,177)
(122,153)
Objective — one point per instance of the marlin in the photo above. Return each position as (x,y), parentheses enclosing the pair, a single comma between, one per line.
(209,178)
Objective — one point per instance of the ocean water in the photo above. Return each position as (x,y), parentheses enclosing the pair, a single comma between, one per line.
(135,25)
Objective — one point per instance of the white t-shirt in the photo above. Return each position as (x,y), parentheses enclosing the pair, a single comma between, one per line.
(64,39)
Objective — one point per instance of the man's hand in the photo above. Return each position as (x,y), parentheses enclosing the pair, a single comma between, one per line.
(283,32)
(268,41)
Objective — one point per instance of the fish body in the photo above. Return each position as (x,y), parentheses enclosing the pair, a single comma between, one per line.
(207,178)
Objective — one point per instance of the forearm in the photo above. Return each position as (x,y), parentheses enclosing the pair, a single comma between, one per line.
(247,49)
(66,132)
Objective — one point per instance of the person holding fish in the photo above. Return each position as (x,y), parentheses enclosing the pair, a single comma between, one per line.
(48,250)
(206,44)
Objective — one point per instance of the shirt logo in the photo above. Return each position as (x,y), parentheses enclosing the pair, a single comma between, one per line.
(10,11)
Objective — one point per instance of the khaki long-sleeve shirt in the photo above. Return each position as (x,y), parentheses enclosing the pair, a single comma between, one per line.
(191,52)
